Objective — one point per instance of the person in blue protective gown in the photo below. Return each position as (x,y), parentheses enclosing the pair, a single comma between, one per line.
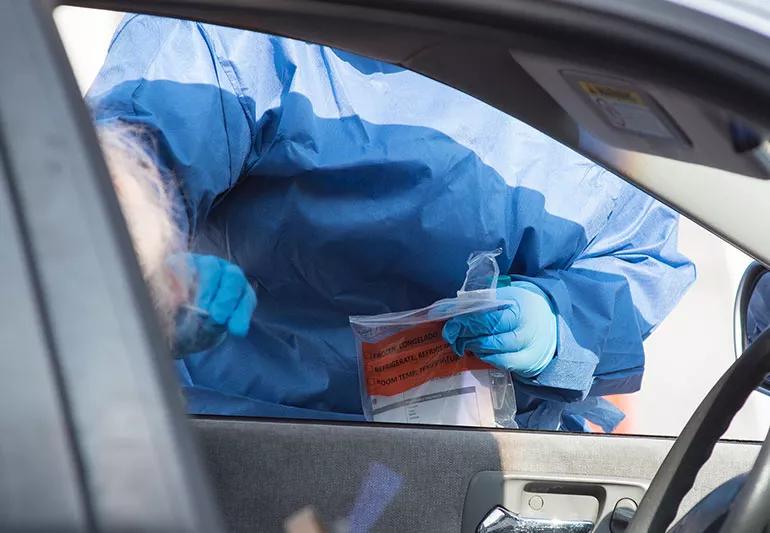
(345,186)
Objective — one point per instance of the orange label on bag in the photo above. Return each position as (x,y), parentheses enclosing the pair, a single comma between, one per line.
(410,358)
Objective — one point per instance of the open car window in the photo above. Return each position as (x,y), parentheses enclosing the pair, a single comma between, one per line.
(342,186)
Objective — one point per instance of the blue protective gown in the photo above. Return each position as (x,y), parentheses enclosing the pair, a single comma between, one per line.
(345,186)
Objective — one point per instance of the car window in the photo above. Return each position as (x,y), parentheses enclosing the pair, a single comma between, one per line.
(331,237)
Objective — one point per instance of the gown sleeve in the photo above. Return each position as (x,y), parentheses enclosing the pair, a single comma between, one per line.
(611,297)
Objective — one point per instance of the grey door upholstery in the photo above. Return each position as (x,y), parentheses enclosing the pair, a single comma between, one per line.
(263,471)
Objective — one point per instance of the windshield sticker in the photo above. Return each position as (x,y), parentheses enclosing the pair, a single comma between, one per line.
(627,109)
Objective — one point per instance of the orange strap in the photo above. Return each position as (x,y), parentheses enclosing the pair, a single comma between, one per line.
(626,403)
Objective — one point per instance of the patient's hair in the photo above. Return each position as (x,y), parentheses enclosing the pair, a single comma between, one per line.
(148,210)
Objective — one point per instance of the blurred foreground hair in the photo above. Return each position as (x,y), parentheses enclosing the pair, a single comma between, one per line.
(148,209)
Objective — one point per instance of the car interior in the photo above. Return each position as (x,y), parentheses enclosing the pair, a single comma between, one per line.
(94,435)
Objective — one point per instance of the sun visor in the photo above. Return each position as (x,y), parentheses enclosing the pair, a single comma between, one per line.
(615,112)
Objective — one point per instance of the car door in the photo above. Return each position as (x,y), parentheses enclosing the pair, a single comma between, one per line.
(142,472)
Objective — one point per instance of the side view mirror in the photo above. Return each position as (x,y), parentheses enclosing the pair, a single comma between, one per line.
(752,311)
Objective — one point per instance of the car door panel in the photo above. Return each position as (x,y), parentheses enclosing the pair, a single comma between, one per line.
(263,471)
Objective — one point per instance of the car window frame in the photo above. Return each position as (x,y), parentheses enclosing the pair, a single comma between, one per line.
(134,460)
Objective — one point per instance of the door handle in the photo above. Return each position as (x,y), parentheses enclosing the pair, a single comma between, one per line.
(501,520)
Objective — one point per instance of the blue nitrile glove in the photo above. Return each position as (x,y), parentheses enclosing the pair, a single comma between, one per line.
(223,305)
(519,337)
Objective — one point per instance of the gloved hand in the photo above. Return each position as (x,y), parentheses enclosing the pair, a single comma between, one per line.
(223,304)
(224,293)
(519,337)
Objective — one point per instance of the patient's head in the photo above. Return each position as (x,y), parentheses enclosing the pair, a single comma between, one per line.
(148,210)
